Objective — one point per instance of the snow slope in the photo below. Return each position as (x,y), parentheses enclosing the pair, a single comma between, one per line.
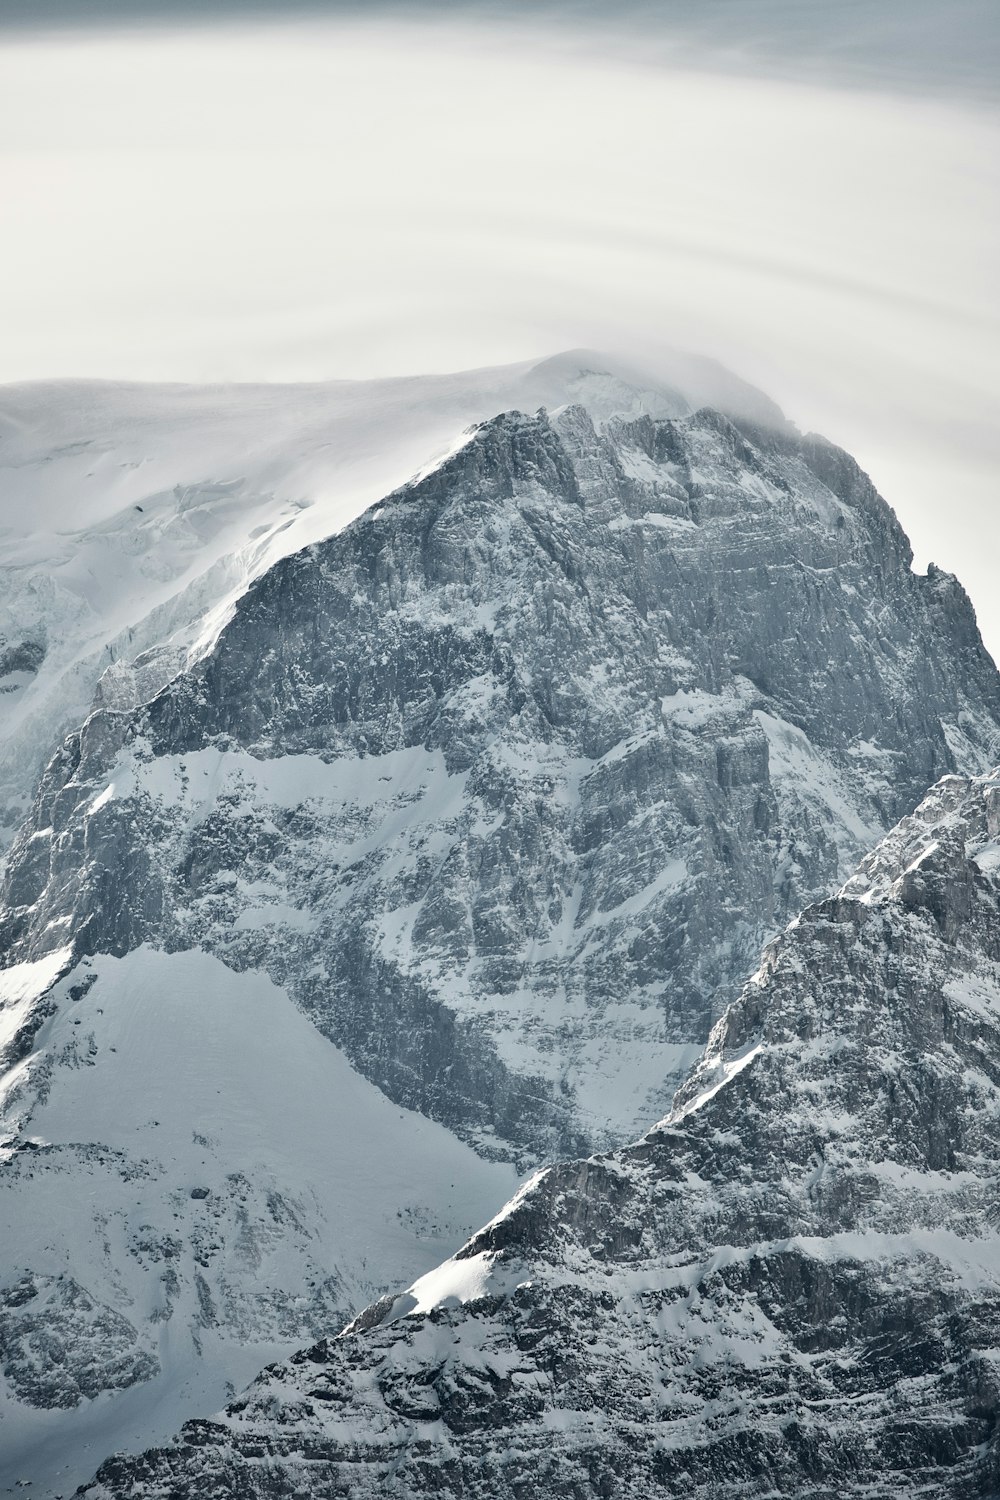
(200,1178)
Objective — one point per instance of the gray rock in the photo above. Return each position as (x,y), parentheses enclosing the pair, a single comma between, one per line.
(58,1345)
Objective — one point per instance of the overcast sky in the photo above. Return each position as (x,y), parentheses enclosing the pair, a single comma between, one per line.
(809,192)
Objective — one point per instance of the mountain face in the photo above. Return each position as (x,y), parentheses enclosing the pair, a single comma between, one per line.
(507,783)
(438,862)
(791,1286)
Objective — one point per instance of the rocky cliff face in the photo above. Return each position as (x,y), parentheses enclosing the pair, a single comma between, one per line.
(439,863)
(791,1286)
(508,782)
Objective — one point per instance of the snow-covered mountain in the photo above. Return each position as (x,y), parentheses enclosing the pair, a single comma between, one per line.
(791,1286)
(508,781)
(401,862)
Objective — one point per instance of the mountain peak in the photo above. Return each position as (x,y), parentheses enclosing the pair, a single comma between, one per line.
(672,383)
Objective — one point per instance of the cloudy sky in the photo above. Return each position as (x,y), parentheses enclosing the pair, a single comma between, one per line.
(809,192)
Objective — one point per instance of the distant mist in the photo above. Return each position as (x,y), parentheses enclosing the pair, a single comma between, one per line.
(807,193)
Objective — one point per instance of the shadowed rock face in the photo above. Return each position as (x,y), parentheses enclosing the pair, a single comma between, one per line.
(791,1286)
(508,782)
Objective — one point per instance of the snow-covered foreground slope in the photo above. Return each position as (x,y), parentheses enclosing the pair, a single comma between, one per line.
(199,1180)
(131,515)
(791,1286)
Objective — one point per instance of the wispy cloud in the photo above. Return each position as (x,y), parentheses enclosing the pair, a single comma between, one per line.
(366,195)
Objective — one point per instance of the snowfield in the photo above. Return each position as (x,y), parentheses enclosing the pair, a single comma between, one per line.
(204,1163)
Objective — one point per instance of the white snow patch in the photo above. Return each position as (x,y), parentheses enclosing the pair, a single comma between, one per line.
(452,1283)
(198,779)
(694,708)
(988,858)
(440,459)
(101,799)
(723,1073)
(29,980)
(657,520)
(924,854)
(524,1191)
(20,987)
